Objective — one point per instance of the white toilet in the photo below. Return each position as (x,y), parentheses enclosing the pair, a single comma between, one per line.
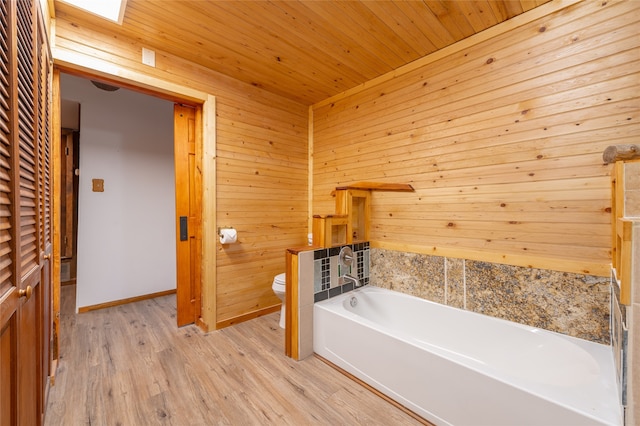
(279,289)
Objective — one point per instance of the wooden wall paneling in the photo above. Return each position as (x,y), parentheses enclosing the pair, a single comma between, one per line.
(511,96)
(519,119)
(506,65)
(74,57)
(350,126)
(260,185)
(256,131)
(232,92)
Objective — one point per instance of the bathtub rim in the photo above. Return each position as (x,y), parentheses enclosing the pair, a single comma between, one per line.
(610,411)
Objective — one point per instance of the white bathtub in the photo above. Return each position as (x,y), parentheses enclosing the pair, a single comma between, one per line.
(457,367)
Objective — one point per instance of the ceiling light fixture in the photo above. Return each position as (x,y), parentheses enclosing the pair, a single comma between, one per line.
(104,86)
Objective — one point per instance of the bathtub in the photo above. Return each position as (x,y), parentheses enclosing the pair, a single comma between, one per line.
(457,367)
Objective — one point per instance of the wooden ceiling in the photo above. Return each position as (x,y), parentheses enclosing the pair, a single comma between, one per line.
(306,50)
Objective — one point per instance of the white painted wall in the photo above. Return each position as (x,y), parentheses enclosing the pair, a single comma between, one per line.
(126,234)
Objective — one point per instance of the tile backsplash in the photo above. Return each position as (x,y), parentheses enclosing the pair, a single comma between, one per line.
(328,275)
(573,304)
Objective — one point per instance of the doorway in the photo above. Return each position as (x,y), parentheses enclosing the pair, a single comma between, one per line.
(69,169)
(69,205)
(127,240)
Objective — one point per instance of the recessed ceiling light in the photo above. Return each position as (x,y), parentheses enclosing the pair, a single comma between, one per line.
(113,10)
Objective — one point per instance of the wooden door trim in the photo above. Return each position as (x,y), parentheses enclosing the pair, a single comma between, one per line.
(56,138)
(207,146)
(206,142)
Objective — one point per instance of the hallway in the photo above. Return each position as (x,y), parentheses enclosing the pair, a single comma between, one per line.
(131,365)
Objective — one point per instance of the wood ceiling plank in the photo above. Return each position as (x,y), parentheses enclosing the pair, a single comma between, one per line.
(297,26)
(304,50)
(331,42)
(451,18)
(345,20)
(478,13)
(426,22)
(222,43)
(296,51)
(403,25)
(513,8)
(378,26)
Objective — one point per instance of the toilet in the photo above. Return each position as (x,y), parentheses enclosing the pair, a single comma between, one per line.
(279,289)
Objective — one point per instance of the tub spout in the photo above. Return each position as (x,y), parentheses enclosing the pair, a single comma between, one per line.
(354,280)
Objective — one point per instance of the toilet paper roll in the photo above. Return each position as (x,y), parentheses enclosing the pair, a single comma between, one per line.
(228,236)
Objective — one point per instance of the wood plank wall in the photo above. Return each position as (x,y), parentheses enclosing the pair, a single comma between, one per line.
(261,165)
(502,140)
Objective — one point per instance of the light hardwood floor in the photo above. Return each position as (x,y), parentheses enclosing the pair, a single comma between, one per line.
(131,365)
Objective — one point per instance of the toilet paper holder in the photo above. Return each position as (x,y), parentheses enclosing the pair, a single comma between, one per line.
(220,228)
(228,235)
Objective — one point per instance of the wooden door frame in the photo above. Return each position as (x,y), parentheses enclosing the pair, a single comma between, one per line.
(206,105)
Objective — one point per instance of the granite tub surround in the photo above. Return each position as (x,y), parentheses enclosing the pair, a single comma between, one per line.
(409,273)
(573,304)
(454,279)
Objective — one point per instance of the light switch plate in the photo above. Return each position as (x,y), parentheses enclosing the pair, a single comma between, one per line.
(98,185)
(148,57)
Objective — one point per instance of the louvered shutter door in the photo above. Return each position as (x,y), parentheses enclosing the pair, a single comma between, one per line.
(24,301)
(27,138)
(5,156)
(44,147)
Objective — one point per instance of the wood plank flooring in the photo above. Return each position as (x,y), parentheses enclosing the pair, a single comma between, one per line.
(131,365)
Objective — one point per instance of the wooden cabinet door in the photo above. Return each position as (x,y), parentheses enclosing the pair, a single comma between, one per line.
(8,291)
(44,212)
(24,156)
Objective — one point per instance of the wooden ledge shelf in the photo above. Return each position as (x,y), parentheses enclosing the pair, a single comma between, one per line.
(352,217)
(331,216)
(378,186)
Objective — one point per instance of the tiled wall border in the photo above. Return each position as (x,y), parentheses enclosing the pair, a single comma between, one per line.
(328,275)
